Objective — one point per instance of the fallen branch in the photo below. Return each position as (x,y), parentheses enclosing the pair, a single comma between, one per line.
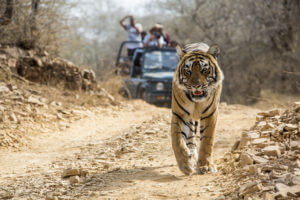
(293,73)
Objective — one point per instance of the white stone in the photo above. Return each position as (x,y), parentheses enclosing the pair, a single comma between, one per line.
(3,89)
(34,100)
(245,159)
(261,142)
(271,151)
(150,132)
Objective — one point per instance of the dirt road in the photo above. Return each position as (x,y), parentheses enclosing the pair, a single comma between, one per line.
(125,150)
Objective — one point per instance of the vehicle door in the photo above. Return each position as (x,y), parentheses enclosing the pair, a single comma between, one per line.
(135,79)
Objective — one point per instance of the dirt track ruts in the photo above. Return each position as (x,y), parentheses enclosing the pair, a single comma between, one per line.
(127,152)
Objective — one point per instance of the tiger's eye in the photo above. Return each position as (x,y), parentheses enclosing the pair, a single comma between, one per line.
(205,71)
(186,72)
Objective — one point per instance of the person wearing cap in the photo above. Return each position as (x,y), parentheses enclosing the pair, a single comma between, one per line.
(166,37)
(133,34)
(155,38)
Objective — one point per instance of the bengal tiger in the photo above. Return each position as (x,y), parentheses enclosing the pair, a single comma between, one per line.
(196,90)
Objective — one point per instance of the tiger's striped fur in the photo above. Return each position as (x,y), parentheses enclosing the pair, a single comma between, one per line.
(196,91)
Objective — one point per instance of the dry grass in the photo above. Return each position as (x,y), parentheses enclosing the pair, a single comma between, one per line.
(113,84)
(270,99)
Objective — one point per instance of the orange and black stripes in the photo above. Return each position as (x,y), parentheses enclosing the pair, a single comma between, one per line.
(208,116)
(196,91)
(180,106)
(211,103)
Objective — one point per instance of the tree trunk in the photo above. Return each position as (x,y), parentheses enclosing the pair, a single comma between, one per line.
(8,14)
(34,12)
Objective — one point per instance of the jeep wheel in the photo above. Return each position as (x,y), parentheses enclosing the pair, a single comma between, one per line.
(123,92)
(143,95)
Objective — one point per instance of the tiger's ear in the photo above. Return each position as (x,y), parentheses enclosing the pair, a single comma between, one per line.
(180,51)
(214,50)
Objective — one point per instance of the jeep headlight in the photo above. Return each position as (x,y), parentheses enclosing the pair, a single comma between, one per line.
(159,86)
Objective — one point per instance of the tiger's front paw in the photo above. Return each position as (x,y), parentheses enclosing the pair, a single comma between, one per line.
(186,163)
(206,167)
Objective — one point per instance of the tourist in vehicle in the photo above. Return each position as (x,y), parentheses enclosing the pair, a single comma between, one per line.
(143,35)
(165,36)
(155,38)
(133,34)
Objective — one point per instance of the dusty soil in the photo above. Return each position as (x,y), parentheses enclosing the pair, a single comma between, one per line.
(126,152)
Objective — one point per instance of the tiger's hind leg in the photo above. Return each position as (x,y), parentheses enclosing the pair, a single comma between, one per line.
(184,144)
(207,131)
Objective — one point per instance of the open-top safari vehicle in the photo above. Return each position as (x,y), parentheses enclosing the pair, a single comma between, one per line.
(150,74)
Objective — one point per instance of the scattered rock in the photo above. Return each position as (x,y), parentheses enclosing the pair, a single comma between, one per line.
(270,113)
(250,188)
(74,179)
(150,131)
(83,173)
(259,160)
(51,197)
(271,151)
(285,191)
(271,161)
(243,142)
(253,170)
(3,89)
(236,145)
(291,127)
(245,159)
(34,100)
(13,117)
(261,142)
(268,196)
(6,195)
(70,172)
(295,145)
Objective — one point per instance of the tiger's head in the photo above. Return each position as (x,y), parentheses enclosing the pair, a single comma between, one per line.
(198,73)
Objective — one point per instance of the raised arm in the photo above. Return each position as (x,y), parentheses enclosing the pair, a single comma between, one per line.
(122,22)
(133,24)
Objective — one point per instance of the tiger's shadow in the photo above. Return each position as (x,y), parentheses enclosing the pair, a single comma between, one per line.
(122,178)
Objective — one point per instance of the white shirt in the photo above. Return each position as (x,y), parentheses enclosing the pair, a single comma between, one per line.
(132,35)
(154,42)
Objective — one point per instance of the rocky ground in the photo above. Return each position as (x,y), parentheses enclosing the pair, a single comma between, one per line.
(117,152)
(264,163)
(40,94)
(28,110)
(53,147)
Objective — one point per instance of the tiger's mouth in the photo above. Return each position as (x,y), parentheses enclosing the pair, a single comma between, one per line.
(197,94)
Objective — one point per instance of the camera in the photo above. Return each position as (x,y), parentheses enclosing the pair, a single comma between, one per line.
(157,35)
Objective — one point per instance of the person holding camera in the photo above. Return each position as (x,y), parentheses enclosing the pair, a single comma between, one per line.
(155,38)
(133,34)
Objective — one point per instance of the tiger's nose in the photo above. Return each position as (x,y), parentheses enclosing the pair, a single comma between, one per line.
(196,85)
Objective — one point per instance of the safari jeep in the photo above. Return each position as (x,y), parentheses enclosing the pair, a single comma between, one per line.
(151,75)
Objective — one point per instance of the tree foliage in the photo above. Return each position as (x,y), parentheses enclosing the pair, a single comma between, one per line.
(259,40)
(36,23)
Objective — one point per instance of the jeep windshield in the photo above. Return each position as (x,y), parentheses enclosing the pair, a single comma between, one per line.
(160,61)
